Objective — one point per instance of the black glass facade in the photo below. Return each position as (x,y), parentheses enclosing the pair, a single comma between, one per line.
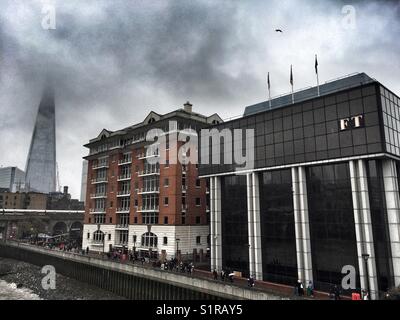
(310,131)
(235,240)
(332,231)
(391,120)
(278,240)
(379,221)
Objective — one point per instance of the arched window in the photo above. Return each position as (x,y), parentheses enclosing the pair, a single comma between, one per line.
(149,239)
(98,235)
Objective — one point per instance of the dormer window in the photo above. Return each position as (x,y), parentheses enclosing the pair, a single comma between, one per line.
(151,120)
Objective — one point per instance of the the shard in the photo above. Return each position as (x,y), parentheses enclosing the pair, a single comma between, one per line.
(41,163)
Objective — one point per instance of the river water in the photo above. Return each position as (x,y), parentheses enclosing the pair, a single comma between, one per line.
(9,291)
(24,282)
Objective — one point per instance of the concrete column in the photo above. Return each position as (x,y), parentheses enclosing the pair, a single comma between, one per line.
(212,223)
(218,225)
(297,223)
(257,228)
(305,226)
(392,196)
(302,225)
(363,225)
(250,223)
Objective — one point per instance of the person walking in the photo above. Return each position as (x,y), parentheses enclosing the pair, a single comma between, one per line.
(215,274)
(310,289)
(300,288)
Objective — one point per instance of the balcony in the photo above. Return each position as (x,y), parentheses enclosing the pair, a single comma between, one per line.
(126,176)
(97,210)
(123,210)
(125,161)
(148,190)
(149,172)
(100,165)
(123,226)
(124,193)
(148,154)
(148,209)
(98,195)
(100,180)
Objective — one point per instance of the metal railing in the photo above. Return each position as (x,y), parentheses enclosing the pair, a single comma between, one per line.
(126,176)
(148,208)
(100,180)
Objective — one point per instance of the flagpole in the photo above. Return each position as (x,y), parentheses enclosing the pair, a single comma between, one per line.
(316,71)
(291,82)
(269,92)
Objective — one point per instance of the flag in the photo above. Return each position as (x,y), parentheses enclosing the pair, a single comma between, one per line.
(291,75)
(268,82)
(316,64)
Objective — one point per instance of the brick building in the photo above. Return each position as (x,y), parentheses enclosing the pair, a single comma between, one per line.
(135,201)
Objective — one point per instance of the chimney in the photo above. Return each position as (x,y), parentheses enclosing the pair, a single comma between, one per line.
(65,190)
(188,107)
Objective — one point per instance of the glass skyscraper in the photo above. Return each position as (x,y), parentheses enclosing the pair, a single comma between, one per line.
(41,162)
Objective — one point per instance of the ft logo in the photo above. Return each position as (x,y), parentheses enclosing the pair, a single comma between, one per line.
(49,280)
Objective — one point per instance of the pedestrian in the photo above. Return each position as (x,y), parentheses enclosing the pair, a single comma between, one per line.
(336,292)
(215,274)
(251,282)
(87,250)
(365,295)
(300,288)
(231,275)
(310,289)
(222,275)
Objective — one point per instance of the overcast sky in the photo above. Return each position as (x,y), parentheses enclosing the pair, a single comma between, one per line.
(114,61)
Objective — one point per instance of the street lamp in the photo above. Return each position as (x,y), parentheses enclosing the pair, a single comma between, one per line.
(104,241)
(365,256)
(177,246)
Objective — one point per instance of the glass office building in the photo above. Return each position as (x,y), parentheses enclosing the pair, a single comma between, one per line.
(323,195)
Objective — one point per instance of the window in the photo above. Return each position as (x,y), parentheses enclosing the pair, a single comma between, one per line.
(136,202)
(165,241)
(198,220)
(111,204)
(90,220)
(110,219)
(198,202)
(165,220)
(88,235)
(166,182)
(135,220)
(198,183)
(198,240)
(167,163)
(134,239)
(98,236)
(183,221)
(149,239)
(109,236)
(166,201)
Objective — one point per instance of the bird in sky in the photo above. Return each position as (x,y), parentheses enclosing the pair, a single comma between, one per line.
(279,30)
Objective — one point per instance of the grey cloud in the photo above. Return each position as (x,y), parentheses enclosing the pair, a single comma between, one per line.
(114,61)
